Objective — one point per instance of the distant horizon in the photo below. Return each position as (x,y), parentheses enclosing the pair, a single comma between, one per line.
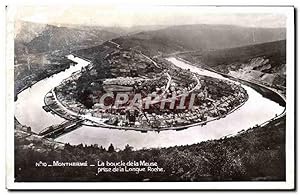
(133,16)
(134,26)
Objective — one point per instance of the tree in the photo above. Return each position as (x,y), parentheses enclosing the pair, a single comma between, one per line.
(102,149)
(111,149)
(128,148)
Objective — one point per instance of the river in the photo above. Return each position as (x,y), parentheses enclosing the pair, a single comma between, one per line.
(29,112)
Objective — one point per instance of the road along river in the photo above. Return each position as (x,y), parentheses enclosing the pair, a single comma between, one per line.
(29,112)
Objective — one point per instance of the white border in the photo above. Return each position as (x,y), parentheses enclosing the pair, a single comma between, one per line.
(289,184)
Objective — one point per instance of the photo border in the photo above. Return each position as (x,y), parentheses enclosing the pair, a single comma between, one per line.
(291,168)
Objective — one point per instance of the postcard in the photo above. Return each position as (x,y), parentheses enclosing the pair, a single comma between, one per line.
(150,97)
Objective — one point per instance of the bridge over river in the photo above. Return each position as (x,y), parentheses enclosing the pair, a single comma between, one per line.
(54,131)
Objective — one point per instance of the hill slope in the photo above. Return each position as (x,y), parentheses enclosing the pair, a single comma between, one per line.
(193,37)
(265,63)
(206,37)
(62,38)
(40,49)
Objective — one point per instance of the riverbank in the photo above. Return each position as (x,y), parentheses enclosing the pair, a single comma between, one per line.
(42,73)
(29,81)
(41,89)
(266,91)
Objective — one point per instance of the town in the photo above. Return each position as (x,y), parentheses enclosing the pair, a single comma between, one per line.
(178,97)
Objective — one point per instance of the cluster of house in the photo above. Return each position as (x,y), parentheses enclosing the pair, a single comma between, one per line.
(165,118)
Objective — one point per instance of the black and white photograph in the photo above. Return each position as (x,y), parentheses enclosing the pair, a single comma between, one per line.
(150,97)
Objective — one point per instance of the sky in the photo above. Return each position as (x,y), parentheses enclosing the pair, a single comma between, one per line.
(125,15)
